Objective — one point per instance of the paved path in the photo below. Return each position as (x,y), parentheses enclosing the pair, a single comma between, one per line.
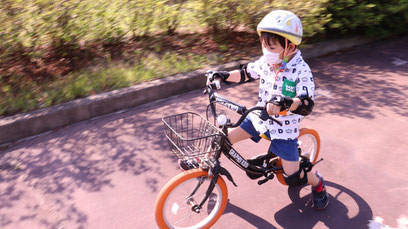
(106,172)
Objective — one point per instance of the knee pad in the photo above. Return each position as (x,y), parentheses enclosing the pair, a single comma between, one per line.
(294,179)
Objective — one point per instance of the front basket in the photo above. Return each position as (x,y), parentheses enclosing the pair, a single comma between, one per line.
(190,135)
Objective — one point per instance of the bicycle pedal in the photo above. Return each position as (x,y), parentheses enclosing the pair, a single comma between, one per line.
(253,176)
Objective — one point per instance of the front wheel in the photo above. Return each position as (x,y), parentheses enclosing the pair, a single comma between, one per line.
(174,204)
(309,143)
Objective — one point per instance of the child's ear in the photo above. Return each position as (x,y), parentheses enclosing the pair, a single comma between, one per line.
(291,47)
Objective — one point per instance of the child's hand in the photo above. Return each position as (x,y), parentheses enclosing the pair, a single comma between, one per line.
(278,103)
(272,109)
(213,75)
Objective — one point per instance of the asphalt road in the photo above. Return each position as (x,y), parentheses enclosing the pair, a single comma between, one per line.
(107,172)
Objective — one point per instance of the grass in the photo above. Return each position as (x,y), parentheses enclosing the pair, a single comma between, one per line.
(33,95)
(49,77)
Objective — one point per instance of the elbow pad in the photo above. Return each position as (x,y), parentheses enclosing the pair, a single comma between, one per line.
(243,71)
(306,106)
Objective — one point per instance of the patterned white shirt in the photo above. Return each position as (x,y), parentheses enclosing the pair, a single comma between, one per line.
(295,80)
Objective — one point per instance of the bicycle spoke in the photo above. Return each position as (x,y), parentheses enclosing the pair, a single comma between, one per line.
(182,219)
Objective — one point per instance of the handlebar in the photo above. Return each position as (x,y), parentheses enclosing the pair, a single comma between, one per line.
(242,110)
(264,116)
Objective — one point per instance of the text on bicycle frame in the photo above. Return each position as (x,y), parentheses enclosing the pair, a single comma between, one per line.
(238,158)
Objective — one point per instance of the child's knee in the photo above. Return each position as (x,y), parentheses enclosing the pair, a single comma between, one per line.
(298,178)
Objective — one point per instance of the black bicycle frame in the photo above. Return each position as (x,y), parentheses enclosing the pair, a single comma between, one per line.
(226,147)
(230,152)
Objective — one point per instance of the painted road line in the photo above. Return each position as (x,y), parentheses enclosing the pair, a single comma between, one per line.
(398,62)
(377,223)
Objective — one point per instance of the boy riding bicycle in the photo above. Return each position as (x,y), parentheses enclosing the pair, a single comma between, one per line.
(286,90)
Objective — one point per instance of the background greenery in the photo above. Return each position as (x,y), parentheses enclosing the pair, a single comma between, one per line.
(55,51)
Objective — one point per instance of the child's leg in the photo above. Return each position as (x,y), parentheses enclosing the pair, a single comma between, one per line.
(237,134)
(291,167)
(313,179)
(320,196)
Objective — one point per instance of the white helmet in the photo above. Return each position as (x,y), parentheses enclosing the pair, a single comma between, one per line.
(283,23)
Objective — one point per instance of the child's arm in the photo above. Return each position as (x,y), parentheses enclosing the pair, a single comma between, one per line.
(235,76)
(295,104)
(251,71)
(274,109)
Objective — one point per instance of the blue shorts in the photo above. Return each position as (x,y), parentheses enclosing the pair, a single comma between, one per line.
(285,149)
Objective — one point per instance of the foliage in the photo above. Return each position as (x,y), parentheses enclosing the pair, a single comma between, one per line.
(32,95)
(33,23)
(371,17)
(32,32)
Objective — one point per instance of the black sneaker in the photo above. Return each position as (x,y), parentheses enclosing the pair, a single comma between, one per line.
(320,199)
(257,161)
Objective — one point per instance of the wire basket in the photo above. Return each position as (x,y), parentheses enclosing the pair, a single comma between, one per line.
(189,135)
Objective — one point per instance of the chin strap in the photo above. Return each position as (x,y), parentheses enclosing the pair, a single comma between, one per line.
(285,60)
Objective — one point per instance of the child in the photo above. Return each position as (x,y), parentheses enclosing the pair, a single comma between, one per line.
(286,90)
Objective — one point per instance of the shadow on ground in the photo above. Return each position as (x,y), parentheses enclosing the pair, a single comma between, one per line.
(353,212)
(50,168)
(363,81)
(251,218)
(300,214)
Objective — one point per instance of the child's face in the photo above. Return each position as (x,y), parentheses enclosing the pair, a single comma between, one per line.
(272,46)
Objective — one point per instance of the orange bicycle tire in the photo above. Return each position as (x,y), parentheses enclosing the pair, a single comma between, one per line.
(179,179)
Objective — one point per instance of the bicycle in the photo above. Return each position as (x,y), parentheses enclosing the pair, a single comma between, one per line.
(196,198)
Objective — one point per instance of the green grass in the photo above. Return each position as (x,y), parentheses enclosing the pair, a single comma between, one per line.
(31,95)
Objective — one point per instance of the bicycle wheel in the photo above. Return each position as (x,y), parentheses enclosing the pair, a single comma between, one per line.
(309,143)
(173,208)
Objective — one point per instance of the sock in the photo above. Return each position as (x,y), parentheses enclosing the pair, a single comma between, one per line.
(319,187)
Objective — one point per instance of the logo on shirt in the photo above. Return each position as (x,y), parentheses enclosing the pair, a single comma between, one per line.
(289,88)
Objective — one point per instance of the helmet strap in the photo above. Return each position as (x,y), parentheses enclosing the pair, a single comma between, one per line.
(286,54)
(285,59)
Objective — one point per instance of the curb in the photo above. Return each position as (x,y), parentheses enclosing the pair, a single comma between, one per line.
(21,126)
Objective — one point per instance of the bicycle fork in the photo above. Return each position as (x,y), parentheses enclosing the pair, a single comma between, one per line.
(215,175)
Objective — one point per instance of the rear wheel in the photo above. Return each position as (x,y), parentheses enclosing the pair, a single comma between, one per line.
(174,204)
(309,143)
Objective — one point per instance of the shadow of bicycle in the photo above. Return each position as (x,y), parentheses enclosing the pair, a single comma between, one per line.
(346,209)
(251,218)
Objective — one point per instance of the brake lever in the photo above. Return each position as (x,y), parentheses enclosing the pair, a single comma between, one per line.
(215,85)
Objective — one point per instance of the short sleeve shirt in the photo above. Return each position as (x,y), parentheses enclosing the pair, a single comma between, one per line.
(295,80)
